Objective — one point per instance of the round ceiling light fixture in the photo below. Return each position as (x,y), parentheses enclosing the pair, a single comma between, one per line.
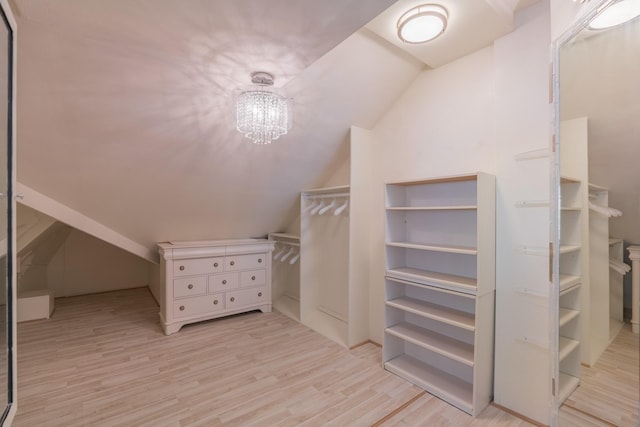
(422,23)
(616,14)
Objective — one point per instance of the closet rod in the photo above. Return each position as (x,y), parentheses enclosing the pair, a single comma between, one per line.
(282,242)
(325,196)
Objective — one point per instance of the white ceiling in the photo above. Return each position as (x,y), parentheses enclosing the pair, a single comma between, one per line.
(124,106)
(471,26)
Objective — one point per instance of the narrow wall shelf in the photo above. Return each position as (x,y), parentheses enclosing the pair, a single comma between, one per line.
(435,247)
(440,313)
(438,343)
(532,204)
(567,385)
(567,315)
(433,208)
(540,153)
(567,346)
(567,282)
(565,249)
(432,278)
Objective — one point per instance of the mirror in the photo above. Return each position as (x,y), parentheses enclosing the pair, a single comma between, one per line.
(7,328)
(598,125)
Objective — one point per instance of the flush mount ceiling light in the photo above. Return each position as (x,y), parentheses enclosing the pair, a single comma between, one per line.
(616,14)
(262,114)
(422,23)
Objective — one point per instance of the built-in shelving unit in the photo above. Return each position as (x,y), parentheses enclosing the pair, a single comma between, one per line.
(331,284)
(440,286)
(286,274)
(570,287)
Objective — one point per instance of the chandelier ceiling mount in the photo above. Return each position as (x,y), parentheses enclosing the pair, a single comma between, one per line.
(262,113)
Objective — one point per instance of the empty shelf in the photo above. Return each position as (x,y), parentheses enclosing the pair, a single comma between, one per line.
(539,153)
(440,313)
(439,383)
(532,204)
(433,208)
(449,281)
(436,247)
(568,283)
(566,346)
(565,249)
(567,315)
(438,343)
(567,384)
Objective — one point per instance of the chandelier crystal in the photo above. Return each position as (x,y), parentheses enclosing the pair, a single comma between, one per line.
(262,114)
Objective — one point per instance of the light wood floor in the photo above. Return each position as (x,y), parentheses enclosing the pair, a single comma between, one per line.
(609,390)
(102,360)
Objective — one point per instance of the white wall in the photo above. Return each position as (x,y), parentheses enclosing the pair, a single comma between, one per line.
(86,265)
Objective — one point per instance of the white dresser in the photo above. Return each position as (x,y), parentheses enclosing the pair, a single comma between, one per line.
(207,279)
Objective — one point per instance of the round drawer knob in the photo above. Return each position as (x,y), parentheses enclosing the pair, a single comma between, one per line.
(232,263)
(182,268)
(182,308)
(215,265)
(233,299)
(215,302)
(190,286)
(259,260)
(253,277)
(224,282)
(259,294)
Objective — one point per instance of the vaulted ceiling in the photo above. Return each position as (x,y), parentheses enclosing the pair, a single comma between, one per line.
(124,106)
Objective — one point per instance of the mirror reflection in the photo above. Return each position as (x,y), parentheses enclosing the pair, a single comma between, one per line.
(4,201)
(599,72)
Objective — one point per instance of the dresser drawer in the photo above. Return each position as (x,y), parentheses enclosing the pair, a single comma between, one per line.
(252,278)
(198,305)
(190,267)
(246,297)
(189,286)
(245,262)
(222,282)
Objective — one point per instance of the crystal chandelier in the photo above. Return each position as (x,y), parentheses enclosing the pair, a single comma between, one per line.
(262,114)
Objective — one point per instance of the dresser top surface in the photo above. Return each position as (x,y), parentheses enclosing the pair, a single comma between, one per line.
(176,244)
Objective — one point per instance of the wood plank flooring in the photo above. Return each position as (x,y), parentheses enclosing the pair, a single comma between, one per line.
(102,360)
(609,391)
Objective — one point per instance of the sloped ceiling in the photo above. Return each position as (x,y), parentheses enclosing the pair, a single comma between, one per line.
(462,36)
(124,107)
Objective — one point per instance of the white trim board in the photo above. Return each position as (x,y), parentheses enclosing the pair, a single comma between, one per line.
(75,219)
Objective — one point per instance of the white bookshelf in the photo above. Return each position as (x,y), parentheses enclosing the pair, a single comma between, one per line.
(440,286)
(569,332)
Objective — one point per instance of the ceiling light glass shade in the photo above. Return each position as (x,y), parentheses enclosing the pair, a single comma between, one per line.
(262,114)
(422,23)
(616,14)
